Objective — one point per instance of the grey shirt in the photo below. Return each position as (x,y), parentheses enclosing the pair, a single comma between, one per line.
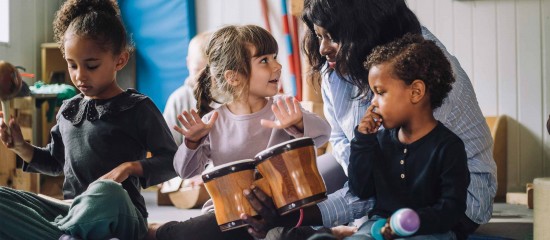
(92,137)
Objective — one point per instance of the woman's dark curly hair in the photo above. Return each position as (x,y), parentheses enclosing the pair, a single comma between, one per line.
(357,26)
(412,58)
(99,20)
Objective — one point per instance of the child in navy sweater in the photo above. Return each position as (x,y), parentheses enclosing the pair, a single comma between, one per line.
(414,161)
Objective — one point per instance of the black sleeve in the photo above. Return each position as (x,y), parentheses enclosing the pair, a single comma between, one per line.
(48,160)
(455,178)
(156,136)
(364,151)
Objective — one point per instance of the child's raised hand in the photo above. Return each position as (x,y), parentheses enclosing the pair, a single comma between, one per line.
(370,122)
(287,116)
(11,136)
(195,128)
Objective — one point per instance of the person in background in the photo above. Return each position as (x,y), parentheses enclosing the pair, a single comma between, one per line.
(183,98)
(99,143)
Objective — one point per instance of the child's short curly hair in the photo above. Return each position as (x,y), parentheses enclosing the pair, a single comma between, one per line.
(412,58)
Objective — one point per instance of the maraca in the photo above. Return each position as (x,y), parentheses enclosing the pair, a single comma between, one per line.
(404,222)
(10,84)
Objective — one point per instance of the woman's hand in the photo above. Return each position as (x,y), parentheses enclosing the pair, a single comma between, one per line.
(370,122)
(264,206)
(123,171)
(288,114)
(194,128)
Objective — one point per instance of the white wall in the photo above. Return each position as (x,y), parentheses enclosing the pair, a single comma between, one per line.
(30,25)
(212,14)
(504,46)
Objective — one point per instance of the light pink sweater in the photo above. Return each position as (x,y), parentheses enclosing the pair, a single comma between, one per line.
(236,137)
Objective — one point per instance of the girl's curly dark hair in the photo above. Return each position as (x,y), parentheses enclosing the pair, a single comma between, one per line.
(99,20)
(357,26)
(412,58)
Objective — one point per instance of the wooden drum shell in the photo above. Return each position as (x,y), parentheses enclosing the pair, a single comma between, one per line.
(293,176)
(226,191)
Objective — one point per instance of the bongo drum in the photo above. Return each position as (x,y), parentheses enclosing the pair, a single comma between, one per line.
(225,184)
(290,168)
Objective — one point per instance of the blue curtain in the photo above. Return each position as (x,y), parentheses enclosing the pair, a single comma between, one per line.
(161,30)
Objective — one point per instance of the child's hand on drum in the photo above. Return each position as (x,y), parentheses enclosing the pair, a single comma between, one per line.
(370,122)
(287,116)
(194,128)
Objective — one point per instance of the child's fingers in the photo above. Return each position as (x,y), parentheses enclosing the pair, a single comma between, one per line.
(180,130)
(268,123)
(212,119)
(196,116)
(282,108)
(290,105)
(189,118)
(183,121)
(297,106)
(277,111)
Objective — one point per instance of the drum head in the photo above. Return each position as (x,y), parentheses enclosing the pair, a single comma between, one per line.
(283,147)
(227,168)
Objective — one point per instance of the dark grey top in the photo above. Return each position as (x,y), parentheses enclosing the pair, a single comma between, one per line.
(92,137)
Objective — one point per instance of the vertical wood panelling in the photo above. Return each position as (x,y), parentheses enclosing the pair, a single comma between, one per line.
(214,18)
(504,46)
(444,23)
(412,5)
(425,11)
(462,29)
(484,56)
(545,16)
(529,88)
(507,83)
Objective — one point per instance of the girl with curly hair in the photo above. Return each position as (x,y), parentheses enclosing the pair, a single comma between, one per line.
(100,141)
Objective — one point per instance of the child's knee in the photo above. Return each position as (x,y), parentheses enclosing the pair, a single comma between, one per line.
(107,193)
(106,185)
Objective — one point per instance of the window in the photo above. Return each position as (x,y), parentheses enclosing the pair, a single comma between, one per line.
(4,21)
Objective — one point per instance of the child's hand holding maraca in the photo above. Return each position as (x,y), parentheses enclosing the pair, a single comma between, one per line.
(404,222)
